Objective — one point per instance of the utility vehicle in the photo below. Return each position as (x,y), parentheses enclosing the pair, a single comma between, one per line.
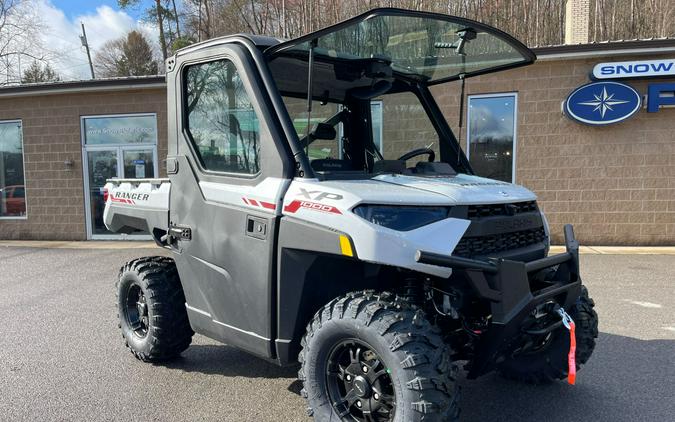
(305,225)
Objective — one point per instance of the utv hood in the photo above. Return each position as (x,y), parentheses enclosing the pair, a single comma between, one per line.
(464,189)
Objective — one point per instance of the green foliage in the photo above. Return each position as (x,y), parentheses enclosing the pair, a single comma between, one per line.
(127,56)
(36,73)
(181,42)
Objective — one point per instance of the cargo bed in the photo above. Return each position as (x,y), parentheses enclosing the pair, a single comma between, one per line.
(133,205)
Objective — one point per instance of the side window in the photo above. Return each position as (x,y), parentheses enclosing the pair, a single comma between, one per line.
(221,121)
(297,110)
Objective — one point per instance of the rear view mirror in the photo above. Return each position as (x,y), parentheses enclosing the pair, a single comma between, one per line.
(323,131)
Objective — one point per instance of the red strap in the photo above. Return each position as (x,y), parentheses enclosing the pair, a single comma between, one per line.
(571,357)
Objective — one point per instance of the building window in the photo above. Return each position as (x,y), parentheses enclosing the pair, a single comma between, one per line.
(221,121)
(12,182)
(120,129)
(491,135)
(376,119)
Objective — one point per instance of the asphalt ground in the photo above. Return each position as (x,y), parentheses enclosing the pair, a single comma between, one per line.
(62,356)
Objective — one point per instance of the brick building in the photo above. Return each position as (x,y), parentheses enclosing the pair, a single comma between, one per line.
(68,145)
(616,183)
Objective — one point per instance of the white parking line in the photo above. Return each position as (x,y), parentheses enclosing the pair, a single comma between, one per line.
(644,304)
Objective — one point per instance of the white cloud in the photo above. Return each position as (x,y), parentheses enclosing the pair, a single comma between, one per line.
(60,36)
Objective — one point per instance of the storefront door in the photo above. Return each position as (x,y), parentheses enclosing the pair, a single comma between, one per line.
(115,146)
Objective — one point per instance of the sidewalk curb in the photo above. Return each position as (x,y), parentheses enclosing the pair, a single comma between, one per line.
(93,244)
(620,250)
(130,244)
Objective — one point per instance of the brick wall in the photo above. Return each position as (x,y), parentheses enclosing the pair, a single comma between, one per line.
(51,135)
(616,184)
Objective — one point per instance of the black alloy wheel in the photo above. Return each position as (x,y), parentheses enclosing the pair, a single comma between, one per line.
(372,357)
(136,311)
(359,385)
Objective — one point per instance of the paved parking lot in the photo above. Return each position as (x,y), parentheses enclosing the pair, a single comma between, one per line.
(62,357)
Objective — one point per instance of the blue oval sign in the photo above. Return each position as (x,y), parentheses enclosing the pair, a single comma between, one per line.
(602,103)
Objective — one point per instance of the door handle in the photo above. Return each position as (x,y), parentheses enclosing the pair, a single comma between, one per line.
(256,227)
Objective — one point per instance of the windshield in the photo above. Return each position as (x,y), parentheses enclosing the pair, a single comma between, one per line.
(432,47)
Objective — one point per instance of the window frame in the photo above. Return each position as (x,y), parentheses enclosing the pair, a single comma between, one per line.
(23,160)
(185,118)
(514,155)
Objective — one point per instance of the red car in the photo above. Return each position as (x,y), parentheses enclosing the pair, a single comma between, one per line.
(13,201)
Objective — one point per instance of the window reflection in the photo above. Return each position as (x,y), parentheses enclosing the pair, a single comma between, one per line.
(120,130)
(12,190)
(492,136)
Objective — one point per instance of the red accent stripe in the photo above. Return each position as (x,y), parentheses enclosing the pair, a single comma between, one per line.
(268,205)
(254,202)
(245,201)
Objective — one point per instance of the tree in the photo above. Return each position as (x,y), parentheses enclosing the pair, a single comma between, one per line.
(157,13)
(20,26)
(36,72)
(535,22)
(131,55)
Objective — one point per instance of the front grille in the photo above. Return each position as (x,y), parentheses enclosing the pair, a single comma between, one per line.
(494,210)
(472,246)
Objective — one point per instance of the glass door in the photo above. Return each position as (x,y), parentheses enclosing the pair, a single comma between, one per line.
(138,163)
(102,164)
(117,145)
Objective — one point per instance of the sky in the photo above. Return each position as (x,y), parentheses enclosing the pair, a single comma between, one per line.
(103,21)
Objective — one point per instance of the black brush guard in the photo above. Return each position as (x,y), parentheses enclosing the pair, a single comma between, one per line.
(507,286)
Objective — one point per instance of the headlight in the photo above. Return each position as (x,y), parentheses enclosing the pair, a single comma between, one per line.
(401,218)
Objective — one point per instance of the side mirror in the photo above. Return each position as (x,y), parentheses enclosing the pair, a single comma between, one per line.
(323,131)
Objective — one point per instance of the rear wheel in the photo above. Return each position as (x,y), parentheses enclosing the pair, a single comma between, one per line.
(549,362)
(372,357)
(151,309)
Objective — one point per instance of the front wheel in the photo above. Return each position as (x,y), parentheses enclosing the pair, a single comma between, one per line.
(371,357)
(151,309)
(549,363)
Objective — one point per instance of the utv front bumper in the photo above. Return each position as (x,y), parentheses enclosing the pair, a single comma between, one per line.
(515,291)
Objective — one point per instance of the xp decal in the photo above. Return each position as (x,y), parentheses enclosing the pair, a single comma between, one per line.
(318,195)
(602,103)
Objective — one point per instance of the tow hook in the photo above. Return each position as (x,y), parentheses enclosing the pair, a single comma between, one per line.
(568,322)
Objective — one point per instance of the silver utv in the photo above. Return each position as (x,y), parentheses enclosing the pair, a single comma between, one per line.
(297,237)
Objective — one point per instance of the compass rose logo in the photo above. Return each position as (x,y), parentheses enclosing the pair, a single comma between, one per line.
(603,102)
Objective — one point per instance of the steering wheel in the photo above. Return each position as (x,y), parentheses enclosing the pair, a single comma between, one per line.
(420,151)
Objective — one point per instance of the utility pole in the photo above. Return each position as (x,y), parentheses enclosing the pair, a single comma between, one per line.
(85,44)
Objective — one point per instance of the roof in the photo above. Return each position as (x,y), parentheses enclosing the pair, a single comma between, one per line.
(663,45)
(553,52)
(88,85)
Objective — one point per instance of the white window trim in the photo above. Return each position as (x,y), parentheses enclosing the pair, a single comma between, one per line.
(25,190)
(515,126)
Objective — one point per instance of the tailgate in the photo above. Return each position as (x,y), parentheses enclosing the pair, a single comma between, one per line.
(137,205)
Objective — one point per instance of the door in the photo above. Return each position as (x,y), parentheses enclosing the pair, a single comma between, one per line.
(122,146)
(227,190)
(102,164)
